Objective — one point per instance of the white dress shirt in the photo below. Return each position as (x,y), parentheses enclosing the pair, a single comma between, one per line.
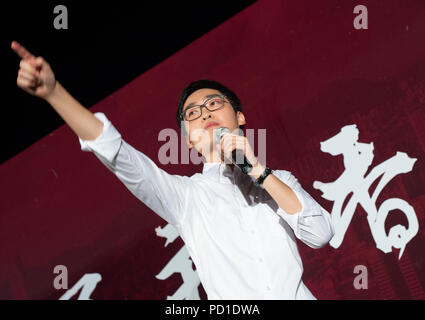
(242,243)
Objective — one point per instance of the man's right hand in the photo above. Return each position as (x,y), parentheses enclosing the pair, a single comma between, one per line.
(35,75)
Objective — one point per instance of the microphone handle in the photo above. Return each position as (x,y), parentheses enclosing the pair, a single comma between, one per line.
(246,167)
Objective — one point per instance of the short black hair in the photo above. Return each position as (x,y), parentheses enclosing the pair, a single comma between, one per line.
(206,84)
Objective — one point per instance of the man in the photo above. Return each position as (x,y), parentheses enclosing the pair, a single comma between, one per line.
(239,228)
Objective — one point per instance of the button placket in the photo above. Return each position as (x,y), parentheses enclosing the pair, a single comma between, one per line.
(258,253)
(240,214)
(246,220)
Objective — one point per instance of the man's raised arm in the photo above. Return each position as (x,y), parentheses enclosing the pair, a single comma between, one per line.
(167,195)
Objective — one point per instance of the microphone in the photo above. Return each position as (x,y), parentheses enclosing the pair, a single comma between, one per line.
(246,166)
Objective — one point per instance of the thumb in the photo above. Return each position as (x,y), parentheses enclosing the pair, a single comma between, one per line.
(36,62)
(39,61)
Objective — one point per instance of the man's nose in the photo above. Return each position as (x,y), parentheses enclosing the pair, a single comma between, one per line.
(206,114)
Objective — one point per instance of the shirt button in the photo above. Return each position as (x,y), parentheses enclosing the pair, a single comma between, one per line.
(252,231)
(260,259)
(268,288)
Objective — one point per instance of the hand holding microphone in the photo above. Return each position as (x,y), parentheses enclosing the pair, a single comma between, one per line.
(238,149)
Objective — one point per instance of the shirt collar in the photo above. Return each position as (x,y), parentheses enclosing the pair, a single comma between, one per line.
(220,172)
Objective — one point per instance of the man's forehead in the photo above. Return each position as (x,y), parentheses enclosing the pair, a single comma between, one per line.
(199,96)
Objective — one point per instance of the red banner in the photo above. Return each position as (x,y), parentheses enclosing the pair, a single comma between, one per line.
(344,112)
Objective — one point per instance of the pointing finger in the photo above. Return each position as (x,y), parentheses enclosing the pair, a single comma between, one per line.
(21,51)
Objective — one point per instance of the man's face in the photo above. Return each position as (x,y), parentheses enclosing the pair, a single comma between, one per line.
(201,137)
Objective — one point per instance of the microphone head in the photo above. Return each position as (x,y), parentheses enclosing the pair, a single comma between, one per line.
(219,132)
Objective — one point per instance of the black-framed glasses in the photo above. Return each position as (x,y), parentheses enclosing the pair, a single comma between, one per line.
(213,103)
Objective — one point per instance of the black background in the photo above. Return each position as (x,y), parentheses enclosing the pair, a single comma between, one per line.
(106,46)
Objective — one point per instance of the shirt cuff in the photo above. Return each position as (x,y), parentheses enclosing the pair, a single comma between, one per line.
(294,219)
(299,221)
(107,143)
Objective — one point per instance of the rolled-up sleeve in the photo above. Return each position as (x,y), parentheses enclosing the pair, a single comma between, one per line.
(313,224)
(163,193)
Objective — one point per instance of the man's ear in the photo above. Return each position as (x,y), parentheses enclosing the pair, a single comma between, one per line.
(241,118)
(189,143)
(186,135)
